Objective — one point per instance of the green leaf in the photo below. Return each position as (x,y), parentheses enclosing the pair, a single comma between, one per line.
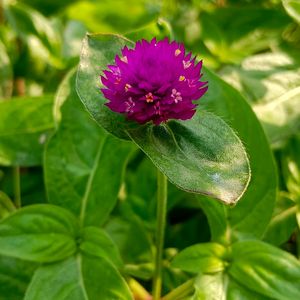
(83,163)
(202,155)
(78,278)
(99,50)
(96,242)
(40,233)
(5,73)
(159,28)
(234,32)
(206,258)
(270,81)
(126,230)
(102,16)
(246,217)
(22,142)
(283,222)
(35,30)
(15,276)
(266,269)
(291,167)
(219,286)
(293,9)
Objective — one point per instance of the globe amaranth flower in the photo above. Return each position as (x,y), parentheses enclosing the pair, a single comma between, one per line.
(156,81)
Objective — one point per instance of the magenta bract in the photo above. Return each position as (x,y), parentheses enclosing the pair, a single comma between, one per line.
(156,81)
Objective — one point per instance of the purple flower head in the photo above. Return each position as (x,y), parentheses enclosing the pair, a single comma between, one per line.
(155,81)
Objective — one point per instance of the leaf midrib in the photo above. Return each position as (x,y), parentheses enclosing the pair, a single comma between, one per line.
(80,277)
(90,181)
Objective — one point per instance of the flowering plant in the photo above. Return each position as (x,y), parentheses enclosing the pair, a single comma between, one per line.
(154,86)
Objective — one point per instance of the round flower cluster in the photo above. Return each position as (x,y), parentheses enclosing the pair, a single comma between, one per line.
(155,81)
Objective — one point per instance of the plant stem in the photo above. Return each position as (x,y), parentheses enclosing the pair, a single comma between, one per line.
(162,184)
(181,291)
(17,186)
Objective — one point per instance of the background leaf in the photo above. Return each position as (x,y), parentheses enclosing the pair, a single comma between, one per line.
(6,73)
(270,82)
(83,163)
(293,9)
(22,142)
(35,30)
(246,217)
(104,17)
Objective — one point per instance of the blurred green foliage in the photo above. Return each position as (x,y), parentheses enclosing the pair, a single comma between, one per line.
(65,159)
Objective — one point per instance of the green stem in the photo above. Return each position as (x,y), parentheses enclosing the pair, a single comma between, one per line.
(162,185)
(181,291)
(17,186)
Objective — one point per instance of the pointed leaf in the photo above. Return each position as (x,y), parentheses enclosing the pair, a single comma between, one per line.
(202,155)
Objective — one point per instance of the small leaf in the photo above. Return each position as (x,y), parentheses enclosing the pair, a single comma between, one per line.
(205,258)
(202,155)
(96,241)
(22,142)
(78,278)
(83,163)
(40,233)
(266,269)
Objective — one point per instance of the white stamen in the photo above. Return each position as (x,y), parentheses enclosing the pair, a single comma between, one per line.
(129,105)
(176,96)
